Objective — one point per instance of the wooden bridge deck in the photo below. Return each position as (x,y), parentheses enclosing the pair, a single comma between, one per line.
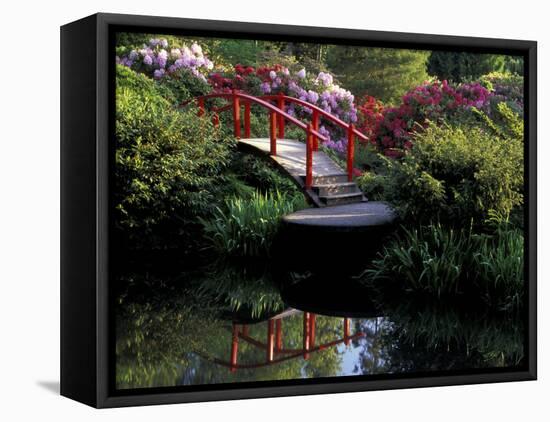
(330,181)
(291,155)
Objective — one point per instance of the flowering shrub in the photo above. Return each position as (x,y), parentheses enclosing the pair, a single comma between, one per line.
(506,88)
(392,128)
(371,115)
(155,60)
(318,90)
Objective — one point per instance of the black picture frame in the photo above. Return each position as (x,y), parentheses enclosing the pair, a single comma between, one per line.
(86,135)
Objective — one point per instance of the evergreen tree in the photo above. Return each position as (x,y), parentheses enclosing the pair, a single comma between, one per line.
(384,73)
(463,67)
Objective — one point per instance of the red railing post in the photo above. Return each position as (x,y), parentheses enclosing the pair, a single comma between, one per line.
(247,119)
(309,157)
(201,107)
(234,347)
(315,124)
(272,135)
(346,331)
(281,123)
(236,115)
(312,318)
(306,335)
(351,148)
(278,335)
(269,350)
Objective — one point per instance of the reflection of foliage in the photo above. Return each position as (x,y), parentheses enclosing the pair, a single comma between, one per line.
(442,262)
(171,337)
(436,338)
(250,294)
(154,332)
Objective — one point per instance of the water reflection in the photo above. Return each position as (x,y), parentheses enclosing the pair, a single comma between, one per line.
(239,324)
(275,349)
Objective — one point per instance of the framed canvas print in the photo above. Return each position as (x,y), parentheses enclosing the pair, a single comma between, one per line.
(253,210)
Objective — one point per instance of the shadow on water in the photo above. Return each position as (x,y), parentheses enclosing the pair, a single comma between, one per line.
(231,323)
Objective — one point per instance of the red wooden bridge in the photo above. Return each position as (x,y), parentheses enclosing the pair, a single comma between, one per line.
(324,182)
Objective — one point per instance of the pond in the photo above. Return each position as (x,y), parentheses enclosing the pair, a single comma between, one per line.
(237,323)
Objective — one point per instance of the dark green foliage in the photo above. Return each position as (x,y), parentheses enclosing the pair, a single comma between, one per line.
(457,175)
(232,52)
(262,176)
(462,67)
(183,86)
(443,262)
(168,162)
(383,73)
(514,65)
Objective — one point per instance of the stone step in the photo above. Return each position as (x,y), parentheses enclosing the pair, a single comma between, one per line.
(341,199)
(335,188)
(328,179)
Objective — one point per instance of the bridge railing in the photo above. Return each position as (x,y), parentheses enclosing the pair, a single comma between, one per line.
(277,120)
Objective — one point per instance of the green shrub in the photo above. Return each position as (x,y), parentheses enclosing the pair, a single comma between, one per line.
(372,185)
(457,175)
(168,162)
(499,262)
(246,227)
(439,262)
(183,85)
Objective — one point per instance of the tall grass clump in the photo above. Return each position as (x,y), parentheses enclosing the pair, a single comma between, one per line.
(444,262)
(247,226)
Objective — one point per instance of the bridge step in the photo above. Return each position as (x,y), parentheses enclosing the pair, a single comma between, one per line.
(341,199)
(335,188)
(327,179)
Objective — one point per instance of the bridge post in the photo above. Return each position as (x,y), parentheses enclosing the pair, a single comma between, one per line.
(351,148)
(234,347)
(281,122)
(306,335)
(315,124)
(278,334)
(236,115)
(346,331)
(272,135)
(269,349)
(247,119)
(309,157)
(312,318)
(201,107)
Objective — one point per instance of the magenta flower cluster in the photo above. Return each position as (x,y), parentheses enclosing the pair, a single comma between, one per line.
(158,61)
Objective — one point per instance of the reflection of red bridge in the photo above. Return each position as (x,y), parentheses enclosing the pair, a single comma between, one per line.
(273,346)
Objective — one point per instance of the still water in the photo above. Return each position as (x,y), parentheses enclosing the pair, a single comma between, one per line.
(235,324)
